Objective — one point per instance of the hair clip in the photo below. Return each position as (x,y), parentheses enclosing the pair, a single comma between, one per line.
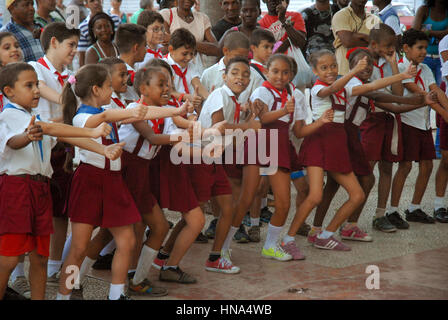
(71,80)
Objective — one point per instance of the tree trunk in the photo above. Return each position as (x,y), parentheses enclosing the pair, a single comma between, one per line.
(212,9)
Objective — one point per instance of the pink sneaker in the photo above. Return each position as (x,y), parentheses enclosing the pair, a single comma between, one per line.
(312,238)
(293,250)
(158,263)
(331,244)
(354,233)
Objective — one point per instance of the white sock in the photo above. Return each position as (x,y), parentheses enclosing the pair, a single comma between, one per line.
(412,207)
(264,203)
(287,239)
(439,202)
(325,234)
(53,267)
(228,241)
(254,221)
(392,209)
(115,291)
(60,296)
(272,236)
(147,256)
(67,245)
(380,212)
(108,248)
(85,268)
(19,271)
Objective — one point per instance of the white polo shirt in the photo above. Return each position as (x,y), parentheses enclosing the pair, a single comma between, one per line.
(130,135)
(320,105)
(27,160)
(48,109)
(131,93)
(382,70)
(93,158)
(443,46)
(361,113)
(190,75)
(418,118)
(150,54)
(116,102)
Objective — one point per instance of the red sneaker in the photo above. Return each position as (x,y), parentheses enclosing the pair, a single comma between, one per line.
(158,263)
(223,265)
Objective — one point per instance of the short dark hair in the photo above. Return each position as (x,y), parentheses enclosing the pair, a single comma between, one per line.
(147,18)
(236,60)
(110,62)
(10,73)
(236,40)
(315,56)
(182,38)
(58,30)
(381,32)
(159,63)
(99,16)
(294,65)
(411,36)
(261,34)
(144,76)
(128,35)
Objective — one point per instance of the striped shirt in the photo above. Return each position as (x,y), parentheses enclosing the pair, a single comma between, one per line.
(31,47)
(84,41)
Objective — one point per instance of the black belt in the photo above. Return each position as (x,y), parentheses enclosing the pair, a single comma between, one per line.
(36,177)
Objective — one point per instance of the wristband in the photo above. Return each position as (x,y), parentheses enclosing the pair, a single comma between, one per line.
(181,97)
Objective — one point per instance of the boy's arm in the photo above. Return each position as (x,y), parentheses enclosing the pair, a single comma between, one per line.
(397,87)
(416,99)
(65,130)
(111,152)
(395,108)
(33,132)
(414,88)
(48,93)
(218,116)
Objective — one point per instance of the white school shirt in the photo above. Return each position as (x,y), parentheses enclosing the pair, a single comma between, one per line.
(26,160)
(220,98)
(3,101)
(212,77)
(48,109)
(131,93)
(384,66)
(265,96)
(361,113)
(190,75)
(90,157)
(392,21)
(320,105)
(113,104)
(443,46)
(418,118)
(130,135)
(253,61)
(148,57)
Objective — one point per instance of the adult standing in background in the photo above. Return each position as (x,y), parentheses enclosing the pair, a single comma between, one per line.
(115,9)
(167,4)
(46,13)
(388,15)
(351,27)
(23,28)
(432,18)
(318,25)
(144,5)
(231,18)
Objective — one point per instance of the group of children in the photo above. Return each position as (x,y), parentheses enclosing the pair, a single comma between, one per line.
(128,121)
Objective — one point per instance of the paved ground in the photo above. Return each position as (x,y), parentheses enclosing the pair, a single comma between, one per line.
(413,264)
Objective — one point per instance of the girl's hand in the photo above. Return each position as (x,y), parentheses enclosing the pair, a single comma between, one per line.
(327,116)
(290,105)
(410,72)
(34,131)
(139,112)
(256,107)
(361,65)
(103,130)
(113,151)
(392,58)
(431,98)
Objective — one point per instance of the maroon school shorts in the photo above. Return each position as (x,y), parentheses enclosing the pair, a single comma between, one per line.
(417,144)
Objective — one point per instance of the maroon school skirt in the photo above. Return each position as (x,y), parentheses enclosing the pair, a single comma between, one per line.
(135,172)
(154,173)
(176,190)
(285,157)
(60,180)
(443,132)
(100,198)
(209,180)
(233,169)
(25,206)
(376,137)
(327,148)
(360,164)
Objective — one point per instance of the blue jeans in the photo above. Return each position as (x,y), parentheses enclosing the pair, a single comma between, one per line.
(434,65)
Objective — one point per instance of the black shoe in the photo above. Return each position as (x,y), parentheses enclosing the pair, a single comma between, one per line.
(441,215)
(104,262)
(77,294)
(419,216)
(11,294)
(211,230)
(122,297)
(241,235)
(397,220)
(265,215)
(201,238)
(304,229)
(383,224)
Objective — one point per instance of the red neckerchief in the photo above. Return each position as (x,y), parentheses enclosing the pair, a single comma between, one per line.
(156,123)
(260,66)
(337,94)
(132,73)
(157,54)
(119,103)
(236,117)
(372,105)
(61,78)
(182,75)
(419,79)
(283,95)
(173,102)
(380,68)
(1,102)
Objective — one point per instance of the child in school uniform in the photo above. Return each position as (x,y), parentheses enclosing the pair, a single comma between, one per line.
(186,84)
(418,144)
(131,41)
(155,31)
(261,44)
(9,52)
(25,172)
(119,75)
(59,44)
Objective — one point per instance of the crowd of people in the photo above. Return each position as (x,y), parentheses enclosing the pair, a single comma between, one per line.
(90,118)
